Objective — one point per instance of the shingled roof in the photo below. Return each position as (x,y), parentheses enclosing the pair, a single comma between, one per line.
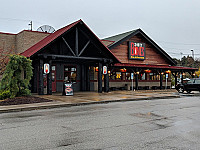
(117,38)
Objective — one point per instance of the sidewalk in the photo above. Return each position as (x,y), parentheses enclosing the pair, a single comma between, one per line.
(86,98)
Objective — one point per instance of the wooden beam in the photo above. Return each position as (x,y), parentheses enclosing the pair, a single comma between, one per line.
(68,46)
(35,76)
(136,79)
(88,78)
(106,81)
(84,48)
(99,78)
(41,83)
(161,79)
(83,85)
(76,40)
(49,79)
(73,57)
(93,43)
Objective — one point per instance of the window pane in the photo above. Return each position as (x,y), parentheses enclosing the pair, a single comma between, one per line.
(53,68)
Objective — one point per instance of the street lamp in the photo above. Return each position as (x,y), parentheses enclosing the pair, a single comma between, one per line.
(193,56)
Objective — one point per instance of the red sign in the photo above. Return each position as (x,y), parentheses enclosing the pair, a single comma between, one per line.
(68,89)
(46,68)
(104,70)
(136,50)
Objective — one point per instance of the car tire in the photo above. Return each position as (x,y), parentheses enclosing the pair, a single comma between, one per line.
(180,90)
(188,92)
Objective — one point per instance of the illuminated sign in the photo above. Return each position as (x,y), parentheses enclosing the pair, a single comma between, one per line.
(46,68)
(104,70)
(137,51)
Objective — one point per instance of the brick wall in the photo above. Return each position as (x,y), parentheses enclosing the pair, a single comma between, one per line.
(7,42)
(17,43)
(26,39)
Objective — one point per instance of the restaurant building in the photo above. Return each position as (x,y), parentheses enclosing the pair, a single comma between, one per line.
(75,54)
(139,54)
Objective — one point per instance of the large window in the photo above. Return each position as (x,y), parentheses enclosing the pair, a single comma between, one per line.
(120,76)
(70,74)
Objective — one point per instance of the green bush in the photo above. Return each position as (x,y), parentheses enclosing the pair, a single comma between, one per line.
(17,76)
(4,94)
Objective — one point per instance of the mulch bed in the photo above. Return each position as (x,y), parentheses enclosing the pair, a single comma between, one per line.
(23,100)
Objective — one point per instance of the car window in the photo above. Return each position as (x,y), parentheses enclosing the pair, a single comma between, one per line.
(197,81)
(191,81)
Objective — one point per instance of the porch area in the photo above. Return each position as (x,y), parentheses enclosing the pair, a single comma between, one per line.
(94,97)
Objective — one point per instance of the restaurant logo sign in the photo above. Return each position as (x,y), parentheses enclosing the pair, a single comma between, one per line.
(46,68)
(137,51)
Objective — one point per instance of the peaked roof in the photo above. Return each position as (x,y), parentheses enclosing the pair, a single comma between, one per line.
(35,48)
(43,43)
(117,38)
(120,38)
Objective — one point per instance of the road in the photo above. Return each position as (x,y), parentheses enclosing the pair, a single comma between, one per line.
(168,124)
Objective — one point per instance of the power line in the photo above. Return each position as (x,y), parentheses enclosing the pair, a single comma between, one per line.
(16,19)
(180,43)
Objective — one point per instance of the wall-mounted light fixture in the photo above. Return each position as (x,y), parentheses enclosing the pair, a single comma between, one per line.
(96,69)
(123,70)
(168,71)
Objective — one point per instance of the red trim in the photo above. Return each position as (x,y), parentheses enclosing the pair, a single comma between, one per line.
(23,31)
(38,46)
(154,66)
(8,33)
(34,31)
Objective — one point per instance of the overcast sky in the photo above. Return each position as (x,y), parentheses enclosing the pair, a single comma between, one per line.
(173,24)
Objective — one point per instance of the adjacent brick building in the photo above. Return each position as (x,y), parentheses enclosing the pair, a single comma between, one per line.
(17,43)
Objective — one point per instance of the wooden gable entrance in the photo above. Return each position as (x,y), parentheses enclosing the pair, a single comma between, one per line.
(76,47)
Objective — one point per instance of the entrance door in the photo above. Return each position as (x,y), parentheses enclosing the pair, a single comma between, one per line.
(53,73)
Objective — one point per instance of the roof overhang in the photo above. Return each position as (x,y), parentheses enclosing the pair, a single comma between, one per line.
(175,68)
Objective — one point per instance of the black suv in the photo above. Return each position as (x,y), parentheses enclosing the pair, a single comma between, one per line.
(191,85)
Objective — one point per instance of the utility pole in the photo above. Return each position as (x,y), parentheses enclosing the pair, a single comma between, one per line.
(31,24)
(193,58)
(181,58)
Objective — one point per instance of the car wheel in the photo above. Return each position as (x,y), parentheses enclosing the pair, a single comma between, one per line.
(180,90)
(188,91)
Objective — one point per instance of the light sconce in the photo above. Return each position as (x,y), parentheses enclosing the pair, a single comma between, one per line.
(123,70)
(168,71)
(96,69)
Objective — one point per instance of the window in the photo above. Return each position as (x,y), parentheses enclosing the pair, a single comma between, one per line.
(128,76)
(70,74)
(197,81)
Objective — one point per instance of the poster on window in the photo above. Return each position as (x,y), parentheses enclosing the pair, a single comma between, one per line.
(137,51)
(68,89)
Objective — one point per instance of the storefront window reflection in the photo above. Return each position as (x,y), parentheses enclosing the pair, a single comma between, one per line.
(70,74)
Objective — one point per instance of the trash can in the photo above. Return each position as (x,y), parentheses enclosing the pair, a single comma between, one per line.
(68,89)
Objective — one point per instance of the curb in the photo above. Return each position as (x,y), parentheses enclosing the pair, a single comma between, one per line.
(49,106)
